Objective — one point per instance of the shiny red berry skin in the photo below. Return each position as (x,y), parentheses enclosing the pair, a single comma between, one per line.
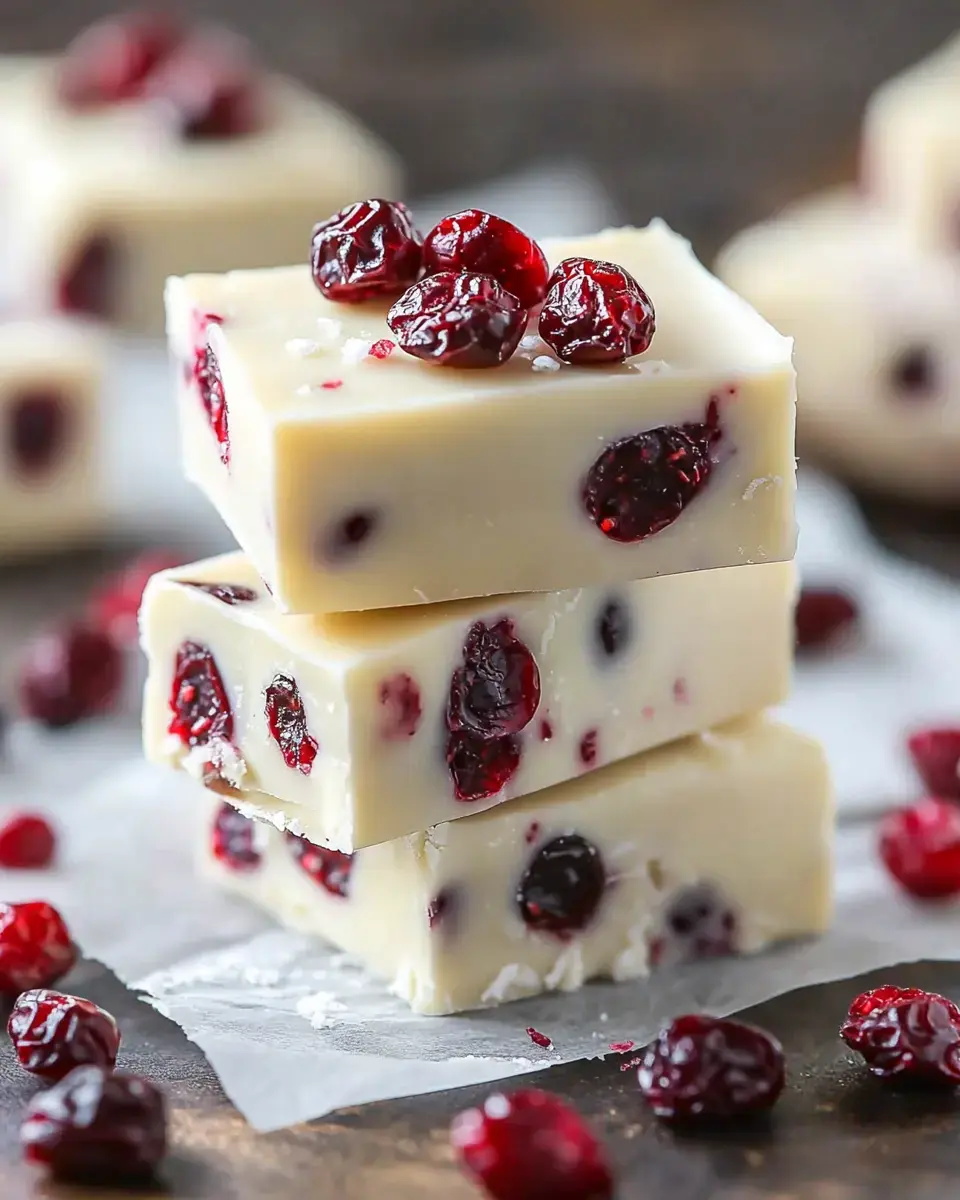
(96,1126)
(562,887)
(115,607)
(233,839)
(822,616)
(369,249)
(703,1067)
(27,842)
(287,722)
(529,1145)
(465,321)
(111,60)
(497,689)
(69,674)
(35,947)
(329,868)
(198,699)
(935,754)
(52,1033)
(920,847)
(484,244)
(595,312)
(480,767)
(914,1035)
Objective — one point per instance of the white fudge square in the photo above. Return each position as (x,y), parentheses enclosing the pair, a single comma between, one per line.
(354,481)
(117,186)
(51,375)
(911,148)
(715,844)
(619,669)
(877,329)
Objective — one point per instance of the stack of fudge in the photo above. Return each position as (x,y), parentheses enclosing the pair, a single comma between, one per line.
(481,701)
(868,282)
(147,147)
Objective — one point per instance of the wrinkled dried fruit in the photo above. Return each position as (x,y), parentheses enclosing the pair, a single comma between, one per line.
(497,690)
(483,244)
(287,722)
(198,699)
(458,321)
(595,312)
(233,839)
(52,1033)
(329,868)
(906,1033)
(35,947)
(365,250)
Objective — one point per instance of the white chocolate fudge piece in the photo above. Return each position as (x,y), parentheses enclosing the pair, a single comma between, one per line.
(101,204)
(877,329)
(911,148)
(51,373)
(377,724)
(717,844)
(355,481)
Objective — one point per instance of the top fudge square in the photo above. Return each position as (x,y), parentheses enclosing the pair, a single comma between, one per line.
(148,149)
(355,475)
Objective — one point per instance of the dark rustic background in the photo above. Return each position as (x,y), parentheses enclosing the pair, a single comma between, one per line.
(710,112)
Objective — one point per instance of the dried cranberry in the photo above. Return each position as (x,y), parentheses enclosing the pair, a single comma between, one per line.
(230,594)
(595,312)
(613,627)
(400,699)
(382,349)
(641,484)
(546,730)
(52,1033)
(68,674)
(330,868)
(233,840)
(198,701)
(483,244)
(95,1125)
(367,249)
(35,947)
(115,607)
(211,88)
(588,747)
(913,373)
(442,909)
(480,766)
(696,924)
(88,286)
(111,60)
(26,842)
(38,426)
(916,1035)
(287,722)
(458,321)
(936,758)
(920,847)
(821,615)
(346,536)
(539,1039)
(562,887)
(706,1067)
(206,374)
(529,1145)
(497,690)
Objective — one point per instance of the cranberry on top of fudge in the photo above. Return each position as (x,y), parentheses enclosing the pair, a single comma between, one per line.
(468,290)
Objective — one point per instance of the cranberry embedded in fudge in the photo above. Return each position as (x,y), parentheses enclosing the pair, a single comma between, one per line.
(287,721)
(198,699)
(329,868)
(561,890)
(696,923)
(233,839)
(227,593)
(400,699)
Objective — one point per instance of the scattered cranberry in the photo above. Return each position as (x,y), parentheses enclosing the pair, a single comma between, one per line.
(442,908)
(68,674)
(643,483)
(546,730)
(913,374)
(38,426)
(529,1145)
(497,690)
(347,535)
(233,840)
(906,1033)
(539,1039)
(478,242)
(331,385)
(562,887)
(365,250)
(96,1125)
(595,312)
(400,699)
(822,615)
(115,607)
(588,748)
(696,924)
(382,349)
(613,627)
(198,700)
(230,594)
(920,847)
(211,88)
(622,1047)
(706,1067)
(480,767)
(458,321)
(111,60)
(35,947)
(287,722)
(52,1033)
(88,285)
(26,842)
(936,758)
(330,868)
(206,373)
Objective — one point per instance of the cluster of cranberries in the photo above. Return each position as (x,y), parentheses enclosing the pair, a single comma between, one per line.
(92,1123)
(465,293)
